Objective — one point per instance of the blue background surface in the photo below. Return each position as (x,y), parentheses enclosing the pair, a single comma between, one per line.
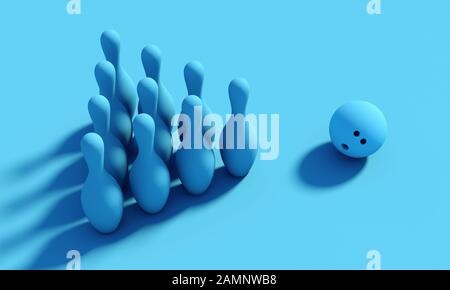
(303,59)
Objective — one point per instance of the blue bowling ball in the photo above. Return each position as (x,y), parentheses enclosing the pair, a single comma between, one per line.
(358,129)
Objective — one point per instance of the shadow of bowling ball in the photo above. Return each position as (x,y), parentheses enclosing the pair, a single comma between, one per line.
(324,166)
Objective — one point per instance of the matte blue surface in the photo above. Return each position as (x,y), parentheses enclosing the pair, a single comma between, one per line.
(303,59)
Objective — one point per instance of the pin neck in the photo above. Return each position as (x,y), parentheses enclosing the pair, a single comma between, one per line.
(147,146)
(95,165)
(153,74)
(238,106)
(104,132)
(238,93)
(113,59)
(238,111)
(106,92)
(106,85)
(101,126)
(194,85)
(97,170)
(152,113)
(150,106)
(117,64)
(145,139)
(153,70)
(195,90)
(107,89)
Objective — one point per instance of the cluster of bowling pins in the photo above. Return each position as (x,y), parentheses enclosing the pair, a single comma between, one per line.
(132,143)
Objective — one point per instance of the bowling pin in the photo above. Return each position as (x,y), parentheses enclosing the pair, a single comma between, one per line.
(125,89)
(105,74)
(195,166)
(194,76)
(115,154)
(149,175)
(238,161)
(101,196)
(151,60)
(148,98)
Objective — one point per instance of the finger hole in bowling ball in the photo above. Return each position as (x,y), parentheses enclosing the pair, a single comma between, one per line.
(363,141)
(356,133)
(345,146)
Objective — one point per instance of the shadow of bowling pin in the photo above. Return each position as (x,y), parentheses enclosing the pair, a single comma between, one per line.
(148,98)
(149,175)
(105,74)
(195,166)
(101,196)
(238,139)
(115,154)
(151,60)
